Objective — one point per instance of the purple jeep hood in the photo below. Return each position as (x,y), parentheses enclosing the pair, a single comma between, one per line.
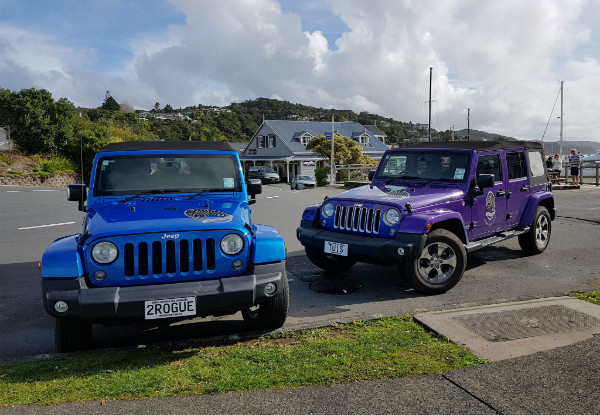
(418,196)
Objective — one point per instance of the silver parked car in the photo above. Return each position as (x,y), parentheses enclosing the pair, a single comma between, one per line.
(303,182)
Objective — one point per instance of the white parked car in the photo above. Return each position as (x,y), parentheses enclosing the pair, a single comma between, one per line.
(303,182)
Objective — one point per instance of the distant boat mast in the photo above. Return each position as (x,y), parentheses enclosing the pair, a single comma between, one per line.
(561,118)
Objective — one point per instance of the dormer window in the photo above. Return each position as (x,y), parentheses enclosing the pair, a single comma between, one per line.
(305,138)
(363,139)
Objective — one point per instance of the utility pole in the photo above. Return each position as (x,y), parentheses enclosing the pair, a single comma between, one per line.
(429,125)
(468,124)
(332,162)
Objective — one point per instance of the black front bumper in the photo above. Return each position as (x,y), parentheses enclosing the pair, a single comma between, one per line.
(119,304)
(365,248)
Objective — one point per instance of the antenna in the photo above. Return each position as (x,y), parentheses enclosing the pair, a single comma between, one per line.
(81,153)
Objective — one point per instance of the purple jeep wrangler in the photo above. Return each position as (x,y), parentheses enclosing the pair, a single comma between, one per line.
(429,205)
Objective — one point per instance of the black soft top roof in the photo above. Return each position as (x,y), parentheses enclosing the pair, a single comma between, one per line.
(168,145)
(481,145)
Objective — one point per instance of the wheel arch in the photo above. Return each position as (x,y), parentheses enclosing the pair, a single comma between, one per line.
(539,199)
(451,225)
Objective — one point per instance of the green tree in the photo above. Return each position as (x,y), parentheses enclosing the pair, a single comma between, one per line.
(39,124)
(110,104)
(346,150)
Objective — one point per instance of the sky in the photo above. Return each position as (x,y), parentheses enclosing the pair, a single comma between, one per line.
(503,60)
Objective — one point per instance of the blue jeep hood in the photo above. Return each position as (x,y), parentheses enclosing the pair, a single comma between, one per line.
(140,216)
(398,195)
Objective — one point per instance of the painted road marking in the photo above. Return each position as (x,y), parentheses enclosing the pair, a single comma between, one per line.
(46,226)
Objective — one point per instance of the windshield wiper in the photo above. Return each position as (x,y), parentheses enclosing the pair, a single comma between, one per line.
(200,193)
(149,192)
(393,179)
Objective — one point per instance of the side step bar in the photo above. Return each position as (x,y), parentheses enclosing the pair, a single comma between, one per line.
(498,237)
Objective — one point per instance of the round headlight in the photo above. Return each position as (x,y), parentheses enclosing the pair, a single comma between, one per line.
(232,244)
(391,217)
(327,209)
(105,252)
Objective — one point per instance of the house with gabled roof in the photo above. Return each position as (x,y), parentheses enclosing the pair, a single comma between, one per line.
(281,144)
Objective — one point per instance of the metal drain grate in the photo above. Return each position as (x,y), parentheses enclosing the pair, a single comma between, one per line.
(530,322)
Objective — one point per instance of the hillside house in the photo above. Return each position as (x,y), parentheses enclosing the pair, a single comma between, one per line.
(282,145)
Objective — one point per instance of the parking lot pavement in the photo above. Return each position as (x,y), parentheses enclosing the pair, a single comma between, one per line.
(561,380)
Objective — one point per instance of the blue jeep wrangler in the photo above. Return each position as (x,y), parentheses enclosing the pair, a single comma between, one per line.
(428,206)
(167,235)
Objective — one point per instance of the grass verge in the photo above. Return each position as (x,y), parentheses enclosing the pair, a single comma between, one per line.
(591,296)
(385,348)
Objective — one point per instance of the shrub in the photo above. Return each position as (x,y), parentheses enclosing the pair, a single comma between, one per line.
(56,164)
(321,174)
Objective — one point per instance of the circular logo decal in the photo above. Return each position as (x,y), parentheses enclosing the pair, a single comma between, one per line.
(490,208)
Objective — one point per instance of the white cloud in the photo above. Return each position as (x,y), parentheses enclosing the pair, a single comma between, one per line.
(504,60)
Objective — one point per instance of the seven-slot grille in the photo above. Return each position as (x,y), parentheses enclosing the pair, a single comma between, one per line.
(169,257)
(358,219)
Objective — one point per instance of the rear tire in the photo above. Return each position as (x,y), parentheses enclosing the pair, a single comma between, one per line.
(330,263)
(440,266)
(71,335)
(270,314)
(536,240)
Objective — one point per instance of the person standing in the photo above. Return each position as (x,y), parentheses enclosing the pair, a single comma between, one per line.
(574,165)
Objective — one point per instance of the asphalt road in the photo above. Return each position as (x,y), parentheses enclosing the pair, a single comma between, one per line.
(494,274)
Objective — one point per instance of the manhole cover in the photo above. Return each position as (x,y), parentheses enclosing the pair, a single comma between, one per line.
(338,286)
(530,322)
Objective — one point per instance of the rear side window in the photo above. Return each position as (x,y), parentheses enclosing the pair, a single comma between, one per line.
(536,161)
(515,163)
(537,167)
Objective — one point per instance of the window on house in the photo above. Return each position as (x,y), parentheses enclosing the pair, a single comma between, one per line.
(305,139)
(252,152)
(364,140)
(260,141)
(271,140)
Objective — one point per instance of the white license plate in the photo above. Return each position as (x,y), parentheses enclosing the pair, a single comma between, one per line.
(170,307)
(336,248)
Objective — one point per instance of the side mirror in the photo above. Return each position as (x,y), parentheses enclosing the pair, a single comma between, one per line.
(253,187)
(485,180)
(371,174)
(77,193)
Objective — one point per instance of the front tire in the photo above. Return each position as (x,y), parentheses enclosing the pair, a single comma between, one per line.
(71,335)
(536,240)
(270,314)
(440,266)
(330,263)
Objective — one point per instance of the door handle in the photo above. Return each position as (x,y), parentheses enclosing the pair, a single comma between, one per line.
(501,192)
(524,188)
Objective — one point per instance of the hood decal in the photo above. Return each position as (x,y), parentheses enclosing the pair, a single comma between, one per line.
(398,192)
(208,215)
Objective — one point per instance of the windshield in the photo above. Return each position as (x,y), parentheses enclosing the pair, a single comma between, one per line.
(184,173)
(426,165)
(305,178)
(268,170)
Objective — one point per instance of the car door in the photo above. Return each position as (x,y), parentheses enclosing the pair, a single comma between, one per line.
(517,186)
(489,209)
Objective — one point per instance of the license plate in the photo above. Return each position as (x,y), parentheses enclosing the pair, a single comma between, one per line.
(336,248)
(170,307)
